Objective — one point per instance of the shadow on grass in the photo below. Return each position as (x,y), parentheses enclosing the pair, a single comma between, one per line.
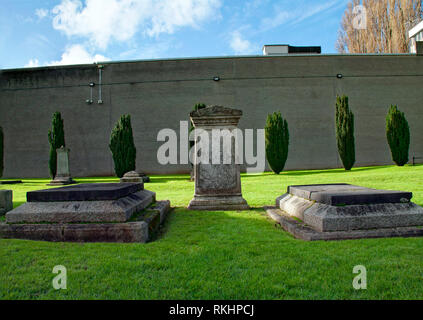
(332,171)
(96,180)
(164,179)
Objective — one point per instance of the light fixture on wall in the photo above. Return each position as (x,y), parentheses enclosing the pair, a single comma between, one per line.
(90,100)
(339,76)
(216,78)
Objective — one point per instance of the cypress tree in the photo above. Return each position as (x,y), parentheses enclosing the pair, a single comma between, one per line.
(277,141)
(1,152)
(345,132)
(398,135)
(122,146)
(56,139)
(197,107)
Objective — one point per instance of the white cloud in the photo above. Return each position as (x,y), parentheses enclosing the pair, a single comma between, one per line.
(32,63)
(41,13)
(240,45)
(77,54)
(102,21)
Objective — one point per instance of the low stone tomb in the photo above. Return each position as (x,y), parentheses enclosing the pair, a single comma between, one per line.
(131,176)
(344,211)
(6,201)
(92,212)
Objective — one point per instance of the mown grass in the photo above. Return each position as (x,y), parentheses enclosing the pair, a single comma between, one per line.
(223,255)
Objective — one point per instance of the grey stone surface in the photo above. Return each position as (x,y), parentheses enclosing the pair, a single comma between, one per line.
(132,176)
(221,202)
(217,185)
(163,208)
(107,232)
(323,217)
(347,194)
(85,192)
(6,201)
(63,176)
(142,230)
(119,210)
(302,231)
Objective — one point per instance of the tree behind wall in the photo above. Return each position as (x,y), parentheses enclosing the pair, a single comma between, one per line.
(398,135)
(1,152)
(277,141)
(56,139)
(386,30)
(122,146)
(197,107)
(344,122)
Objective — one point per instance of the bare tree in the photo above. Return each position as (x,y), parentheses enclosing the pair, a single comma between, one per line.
(385,29)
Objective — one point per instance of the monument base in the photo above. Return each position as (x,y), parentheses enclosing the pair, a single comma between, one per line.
(92,212)
(132,177)
(220,203)
(300,230)
(100,211)
(141,228)
(61,181)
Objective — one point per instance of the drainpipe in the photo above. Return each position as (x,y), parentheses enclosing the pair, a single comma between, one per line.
(100,76)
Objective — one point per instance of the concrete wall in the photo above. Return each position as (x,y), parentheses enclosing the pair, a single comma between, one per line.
(158,94)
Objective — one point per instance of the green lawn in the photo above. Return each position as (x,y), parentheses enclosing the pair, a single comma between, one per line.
(223,255)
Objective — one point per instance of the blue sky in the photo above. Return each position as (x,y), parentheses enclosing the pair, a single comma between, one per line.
(53,32)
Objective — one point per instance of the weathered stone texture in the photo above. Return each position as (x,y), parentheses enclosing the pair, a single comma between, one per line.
(119,210)
(343,207)
(217,179)
(6,201)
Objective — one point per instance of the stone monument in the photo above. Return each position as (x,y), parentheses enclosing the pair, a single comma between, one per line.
(133,176)
(344,211)
(63,176)
(217,182)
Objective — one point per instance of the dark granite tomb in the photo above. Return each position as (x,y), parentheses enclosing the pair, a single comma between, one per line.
(85,192)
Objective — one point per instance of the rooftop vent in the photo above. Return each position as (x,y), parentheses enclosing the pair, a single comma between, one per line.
(416,39)
(284,49)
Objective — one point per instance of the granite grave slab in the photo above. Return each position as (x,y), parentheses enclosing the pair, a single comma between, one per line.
(348,208)
(85,192)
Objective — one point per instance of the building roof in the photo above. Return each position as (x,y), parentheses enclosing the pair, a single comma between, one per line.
(418,28)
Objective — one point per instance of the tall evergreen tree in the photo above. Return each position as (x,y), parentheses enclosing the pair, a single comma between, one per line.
(277,141)
(56,139)
(197,107)
(122,146)
(345,132)
(398,135)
